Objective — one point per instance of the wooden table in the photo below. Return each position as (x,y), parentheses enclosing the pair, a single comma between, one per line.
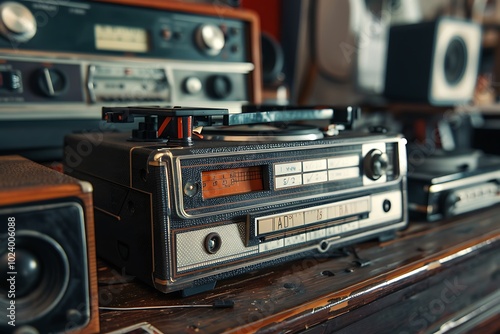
(433,276)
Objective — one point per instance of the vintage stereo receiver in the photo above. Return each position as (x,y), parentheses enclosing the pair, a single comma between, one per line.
(58,58)
(64,60)
(449,184)
(181,210)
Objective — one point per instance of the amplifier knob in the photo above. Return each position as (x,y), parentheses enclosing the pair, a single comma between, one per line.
(17,23)
(192,85)
(210,39)
(375,164)
(219,86)
(51,82)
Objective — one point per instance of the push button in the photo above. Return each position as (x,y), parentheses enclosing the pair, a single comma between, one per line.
(11,80)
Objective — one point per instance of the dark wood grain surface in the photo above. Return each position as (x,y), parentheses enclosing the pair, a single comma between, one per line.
(431,274)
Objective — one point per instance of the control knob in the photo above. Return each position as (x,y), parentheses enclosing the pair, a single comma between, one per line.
(210,39)
(375,164)
(219,86)
(17,23)
(192,85)
(50,82)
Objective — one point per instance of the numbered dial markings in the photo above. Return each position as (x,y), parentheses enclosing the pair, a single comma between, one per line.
(225,182)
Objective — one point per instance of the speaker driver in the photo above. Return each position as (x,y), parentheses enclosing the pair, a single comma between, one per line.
(272,59)
(42,276)
(455,61)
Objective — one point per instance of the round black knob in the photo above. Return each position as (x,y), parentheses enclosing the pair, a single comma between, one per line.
(17,23)
(386,205)
(219,86)
(375,164)
(51,82)
(213,243)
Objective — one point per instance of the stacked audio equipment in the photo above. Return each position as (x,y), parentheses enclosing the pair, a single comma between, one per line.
(60,62)
(435,65)
(48,266)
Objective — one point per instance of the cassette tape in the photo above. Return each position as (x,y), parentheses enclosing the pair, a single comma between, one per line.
(181,210)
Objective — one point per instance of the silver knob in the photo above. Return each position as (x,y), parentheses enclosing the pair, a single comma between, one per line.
(17,23)
(376,164)
(192,85)
(210,39)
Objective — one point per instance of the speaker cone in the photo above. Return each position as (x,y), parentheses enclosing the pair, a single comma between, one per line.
(41,276)
(455,61)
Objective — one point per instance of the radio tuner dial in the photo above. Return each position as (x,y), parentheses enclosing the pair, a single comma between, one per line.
(210,39)
(375,164)
(219,86)
(51,82)
(17,23)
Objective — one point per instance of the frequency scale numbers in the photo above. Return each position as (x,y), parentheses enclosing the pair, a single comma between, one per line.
(305,217)
(226,182)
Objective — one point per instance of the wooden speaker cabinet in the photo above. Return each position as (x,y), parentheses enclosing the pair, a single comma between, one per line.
(47,251)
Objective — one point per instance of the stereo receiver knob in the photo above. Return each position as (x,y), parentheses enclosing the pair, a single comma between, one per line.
(17,23)
(210,39)
(51,82)
(192,85)
(375,164)
(219,86)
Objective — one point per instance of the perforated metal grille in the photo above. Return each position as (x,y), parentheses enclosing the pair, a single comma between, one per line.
(191,251)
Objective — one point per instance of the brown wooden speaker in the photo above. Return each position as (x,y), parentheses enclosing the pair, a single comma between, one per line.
(48,277)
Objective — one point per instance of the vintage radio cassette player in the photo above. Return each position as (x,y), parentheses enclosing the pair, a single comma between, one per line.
(450,184)
(63,60)
(181,210)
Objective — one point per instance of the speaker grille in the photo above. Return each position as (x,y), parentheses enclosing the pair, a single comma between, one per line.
(49,279)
